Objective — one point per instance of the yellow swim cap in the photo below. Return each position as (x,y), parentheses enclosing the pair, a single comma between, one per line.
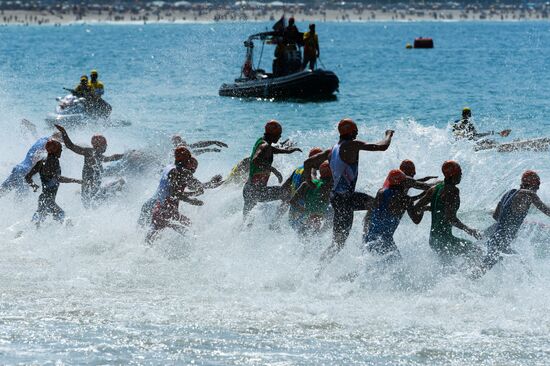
(83,78)
(93,72)
(466,109)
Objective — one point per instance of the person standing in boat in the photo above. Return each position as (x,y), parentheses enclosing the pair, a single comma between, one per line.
(292,34)
(292,39)
(311,48)
(279,62)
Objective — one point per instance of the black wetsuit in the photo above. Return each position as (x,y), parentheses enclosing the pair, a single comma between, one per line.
(505,230)
(92,172)
(50,171)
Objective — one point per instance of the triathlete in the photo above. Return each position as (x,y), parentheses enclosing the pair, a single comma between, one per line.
(390,204)
(407,166)
(509,215)
(444,199)
(173,182)
(92,171)
(16,179)
(344,163)
(309,207)
(290,186)
(181,160)
(465,129)
(256,190)
(50,177)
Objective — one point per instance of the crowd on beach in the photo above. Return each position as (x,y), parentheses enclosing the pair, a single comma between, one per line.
(58,13)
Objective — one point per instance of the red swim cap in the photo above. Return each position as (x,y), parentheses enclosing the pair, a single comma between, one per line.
(451,169)
(396,177)
(324,170)
(182,154)
(315,151)
(273,128)
(98,141)
(407,167)
(53,147)
(530,179)
(347,127)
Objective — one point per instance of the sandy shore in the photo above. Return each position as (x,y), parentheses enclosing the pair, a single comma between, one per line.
(24,17)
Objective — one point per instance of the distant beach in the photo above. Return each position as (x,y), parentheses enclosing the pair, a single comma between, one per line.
(182,11)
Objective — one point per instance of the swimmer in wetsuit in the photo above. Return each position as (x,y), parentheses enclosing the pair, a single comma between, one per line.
(50,177)
(309,207)
(444,201)
(173,183)
(240,172)
(509,215)
(16,179)
(181,160)
(344,163)
(390,204)
(296,179)
(465,129)
(92,171)
(290,186)
(407,166)
(256,190)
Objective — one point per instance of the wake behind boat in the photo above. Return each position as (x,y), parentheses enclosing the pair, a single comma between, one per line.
(288,78)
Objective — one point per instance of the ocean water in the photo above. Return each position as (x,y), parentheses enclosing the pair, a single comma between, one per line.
(94,292)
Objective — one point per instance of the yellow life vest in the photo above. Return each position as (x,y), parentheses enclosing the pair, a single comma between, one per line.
(96,88)
(310,44)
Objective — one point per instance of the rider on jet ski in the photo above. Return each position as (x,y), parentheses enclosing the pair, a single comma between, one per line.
(82,90)
(96,86)
(92,92)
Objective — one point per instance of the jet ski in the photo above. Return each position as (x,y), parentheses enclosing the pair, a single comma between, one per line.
(73,111)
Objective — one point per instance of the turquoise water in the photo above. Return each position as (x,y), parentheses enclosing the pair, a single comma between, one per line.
(95,293)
